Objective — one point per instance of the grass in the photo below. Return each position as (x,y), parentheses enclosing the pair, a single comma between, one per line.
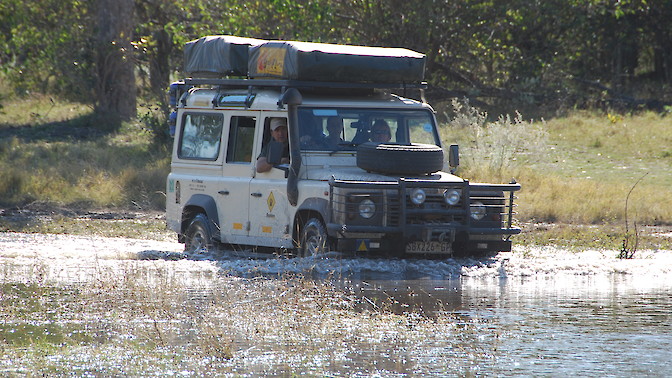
(46,219)
(101,173)
(83,162)
(582,236)
(575,171)
(35,109)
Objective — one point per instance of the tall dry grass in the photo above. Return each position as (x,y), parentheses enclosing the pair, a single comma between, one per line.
(124,169)
(578,169)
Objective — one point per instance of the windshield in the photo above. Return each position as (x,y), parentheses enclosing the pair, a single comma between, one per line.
(333,129)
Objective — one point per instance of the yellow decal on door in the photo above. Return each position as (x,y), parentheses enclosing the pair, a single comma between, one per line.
(237,226)
(271,202)
(267,229)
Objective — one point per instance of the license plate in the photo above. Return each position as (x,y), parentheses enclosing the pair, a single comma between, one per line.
(428,247)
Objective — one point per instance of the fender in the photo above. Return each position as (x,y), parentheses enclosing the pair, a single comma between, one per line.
(206,203)
(319,205)
(313,204)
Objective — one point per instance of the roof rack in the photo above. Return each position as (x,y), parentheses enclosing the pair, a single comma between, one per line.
(247,83)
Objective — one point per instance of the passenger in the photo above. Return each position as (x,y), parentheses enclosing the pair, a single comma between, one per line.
(380,132)
(335,130)
(278,128)
(311,136)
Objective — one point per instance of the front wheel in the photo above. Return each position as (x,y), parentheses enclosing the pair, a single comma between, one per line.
(198,237)
(314,239)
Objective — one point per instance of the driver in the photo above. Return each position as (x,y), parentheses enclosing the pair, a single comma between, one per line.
(380,131)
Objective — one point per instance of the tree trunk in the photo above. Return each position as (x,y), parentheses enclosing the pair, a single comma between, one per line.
(159,67)
(116,89)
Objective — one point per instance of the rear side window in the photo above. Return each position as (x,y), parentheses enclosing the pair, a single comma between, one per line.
(201,136)
(241,139)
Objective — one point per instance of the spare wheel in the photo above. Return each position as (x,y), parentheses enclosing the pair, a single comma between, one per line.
(404,159)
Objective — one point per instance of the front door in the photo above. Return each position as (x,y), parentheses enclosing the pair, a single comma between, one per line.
(269,208)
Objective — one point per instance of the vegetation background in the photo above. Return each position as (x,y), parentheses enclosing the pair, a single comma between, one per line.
(570,97)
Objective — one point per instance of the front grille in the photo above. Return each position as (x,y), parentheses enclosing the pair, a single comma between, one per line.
(433,210)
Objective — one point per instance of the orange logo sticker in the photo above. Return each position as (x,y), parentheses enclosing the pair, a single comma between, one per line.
(271,61)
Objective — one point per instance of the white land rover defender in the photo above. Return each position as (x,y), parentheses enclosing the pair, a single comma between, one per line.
(365,173)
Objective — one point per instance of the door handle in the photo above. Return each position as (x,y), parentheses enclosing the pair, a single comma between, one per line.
(224,192)
(255,194)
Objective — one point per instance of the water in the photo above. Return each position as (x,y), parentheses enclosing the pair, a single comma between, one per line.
(606,325)
(99,303)
(578,325)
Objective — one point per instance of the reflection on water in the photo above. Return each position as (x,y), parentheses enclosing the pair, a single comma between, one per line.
(571,325)
(156,312)
(577,325)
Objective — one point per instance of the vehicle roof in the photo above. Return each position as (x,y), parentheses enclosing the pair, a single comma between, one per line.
(267,99)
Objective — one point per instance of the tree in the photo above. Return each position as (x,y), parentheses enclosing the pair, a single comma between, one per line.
(530,50)
(45,47)
(115,78)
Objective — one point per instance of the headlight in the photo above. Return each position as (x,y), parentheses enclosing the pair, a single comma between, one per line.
(452,196)
(477,210)
(367,209)
(418,196)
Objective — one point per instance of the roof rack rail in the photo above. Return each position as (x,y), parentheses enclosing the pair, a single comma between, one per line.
(246,83)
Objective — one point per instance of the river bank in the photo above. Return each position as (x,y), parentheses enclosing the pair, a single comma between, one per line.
(150,225)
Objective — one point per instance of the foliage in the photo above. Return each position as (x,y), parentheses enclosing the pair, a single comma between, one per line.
(523,52)
(45,48)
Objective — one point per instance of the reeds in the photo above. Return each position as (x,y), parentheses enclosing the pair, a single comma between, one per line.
(199,320)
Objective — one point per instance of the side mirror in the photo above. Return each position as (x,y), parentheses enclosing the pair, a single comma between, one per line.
(454,157)
(274,152)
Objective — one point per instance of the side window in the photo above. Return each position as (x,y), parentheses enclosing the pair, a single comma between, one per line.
(241,139)
(201,137)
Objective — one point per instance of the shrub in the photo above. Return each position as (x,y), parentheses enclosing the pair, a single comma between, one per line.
(491,150)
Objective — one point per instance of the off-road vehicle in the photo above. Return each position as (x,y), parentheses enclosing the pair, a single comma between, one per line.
(366,167)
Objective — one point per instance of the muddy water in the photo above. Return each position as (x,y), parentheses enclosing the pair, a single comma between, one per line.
(103,306)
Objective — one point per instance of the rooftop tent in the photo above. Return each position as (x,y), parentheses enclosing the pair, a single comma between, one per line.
(218,55)
(308,61)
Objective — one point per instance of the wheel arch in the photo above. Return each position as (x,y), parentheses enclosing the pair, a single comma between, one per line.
(199,204)
(310,208)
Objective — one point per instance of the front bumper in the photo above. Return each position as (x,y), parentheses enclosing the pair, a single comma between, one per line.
(391,240)
(399,222)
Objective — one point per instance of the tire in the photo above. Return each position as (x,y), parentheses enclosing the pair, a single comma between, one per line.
(198,237)
(400,158)
(313,240)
